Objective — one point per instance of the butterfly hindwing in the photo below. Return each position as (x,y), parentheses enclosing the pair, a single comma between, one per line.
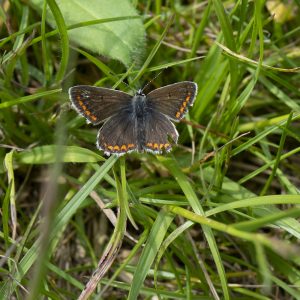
(173,100)
(118,134)
(159,131)
(97,104)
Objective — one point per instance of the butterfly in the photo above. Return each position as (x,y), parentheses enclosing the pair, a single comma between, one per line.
(134,123)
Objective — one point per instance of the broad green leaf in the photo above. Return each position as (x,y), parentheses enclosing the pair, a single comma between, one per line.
(122,40)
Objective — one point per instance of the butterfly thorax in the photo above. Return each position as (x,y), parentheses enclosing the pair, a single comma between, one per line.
(139,105)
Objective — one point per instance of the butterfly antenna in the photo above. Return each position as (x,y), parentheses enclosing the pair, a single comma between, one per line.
(152,79)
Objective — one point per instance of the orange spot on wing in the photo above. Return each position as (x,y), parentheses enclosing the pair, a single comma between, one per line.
(117,148)
(157,146)
(94,118)
(183,106)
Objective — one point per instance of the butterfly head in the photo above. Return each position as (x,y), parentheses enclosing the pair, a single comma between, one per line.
(140,93)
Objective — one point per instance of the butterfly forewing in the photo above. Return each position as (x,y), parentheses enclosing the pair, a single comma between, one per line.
(159,132)
(97,104)
(118,134)
(173,100)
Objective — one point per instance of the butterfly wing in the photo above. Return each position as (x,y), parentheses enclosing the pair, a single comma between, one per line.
(118,134)
(173,100)
(158,130)
(97,104)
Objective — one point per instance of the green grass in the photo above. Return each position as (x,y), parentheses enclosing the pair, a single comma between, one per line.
(217,218)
